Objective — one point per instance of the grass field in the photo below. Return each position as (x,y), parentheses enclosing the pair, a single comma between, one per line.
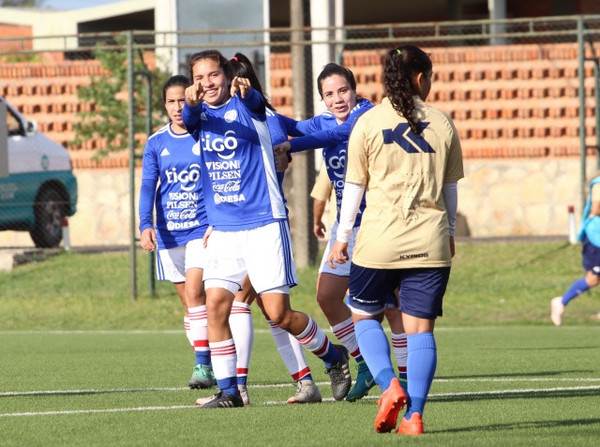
(83,364)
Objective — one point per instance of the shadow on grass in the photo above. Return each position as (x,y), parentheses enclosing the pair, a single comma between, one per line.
(85,392)
(508,375)
(517,394)
(521,426)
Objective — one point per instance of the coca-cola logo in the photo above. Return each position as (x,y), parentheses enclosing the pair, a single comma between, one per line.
(183,214)
(232,186)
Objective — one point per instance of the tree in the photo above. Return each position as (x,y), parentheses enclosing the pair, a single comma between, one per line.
(21,3)
(109,94)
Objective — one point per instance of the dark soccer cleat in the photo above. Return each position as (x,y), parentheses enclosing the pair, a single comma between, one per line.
(222,400)
(364,382)
(339,373)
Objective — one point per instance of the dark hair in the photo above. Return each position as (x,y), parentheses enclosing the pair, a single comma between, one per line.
(335,69)
(401,65)
(175,81)
(241,66)
(215,55)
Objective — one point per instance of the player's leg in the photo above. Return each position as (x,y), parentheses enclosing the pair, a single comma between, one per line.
(370,291)
(290,351)
(394,318)
(272,271)
(591,264)
(223,276)
(332,287)
(170,266)
(195,258)
(421,297)
(242,329)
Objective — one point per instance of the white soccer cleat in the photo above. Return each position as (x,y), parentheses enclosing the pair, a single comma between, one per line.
(556,310)
(306,393)
(244,393)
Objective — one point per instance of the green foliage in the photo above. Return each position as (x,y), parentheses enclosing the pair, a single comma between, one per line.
(109,94)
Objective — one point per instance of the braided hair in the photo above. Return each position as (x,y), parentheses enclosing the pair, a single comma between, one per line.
(401,66)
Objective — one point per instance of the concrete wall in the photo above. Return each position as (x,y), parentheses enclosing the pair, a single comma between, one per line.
(497,197)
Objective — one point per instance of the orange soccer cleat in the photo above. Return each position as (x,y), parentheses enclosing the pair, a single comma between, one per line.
(390,404)
(413,426)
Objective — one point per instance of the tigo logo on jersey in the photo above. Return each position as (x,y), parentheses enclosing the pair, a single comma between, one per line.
(188,177)
(220,145)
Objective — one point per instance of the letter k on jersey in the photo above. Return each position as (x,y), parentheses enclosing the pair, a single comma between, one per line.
(407,139)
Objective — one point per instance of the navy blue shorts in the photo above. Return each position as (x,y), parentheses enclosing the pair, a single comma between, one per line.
(421,290)
(590,256)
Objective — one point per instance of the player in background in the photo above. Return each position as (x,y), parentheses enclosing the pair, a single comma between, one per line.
(330,130)
(589,235)
(169,163)
(245,207)
(406,155)
(321,194)
(288,346)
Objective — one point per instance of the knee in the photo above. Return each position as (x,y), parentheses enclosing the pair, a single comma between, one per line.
(281,318)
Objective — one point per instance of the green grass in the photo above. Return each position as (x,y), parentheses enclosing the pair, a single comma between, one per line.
(490,283)
(83,364)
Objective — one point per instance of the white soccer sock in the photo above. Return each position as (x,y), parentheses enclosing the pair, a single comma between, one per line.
(400,351)
(344,332)
(242,330)
(290,351)
(222,354)
(314,339)
(188,331)
(198,328)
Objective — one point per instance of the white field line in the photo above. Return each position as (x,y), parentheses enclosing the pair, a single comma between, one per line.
(275,385)
(257,330)
(180,407)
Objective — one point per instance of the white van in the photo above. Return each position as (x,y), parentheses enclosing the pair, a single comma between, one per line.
(37,186)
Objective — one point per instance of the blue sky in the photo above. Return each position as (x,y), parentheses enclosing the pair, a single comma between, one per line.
(74,4)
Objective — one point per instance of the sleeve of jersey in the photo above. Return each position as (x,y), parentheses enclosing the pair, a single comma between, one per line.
(253,101)
(292,127)
(454,165)
(351,199)
(192,118)
(450,193)
(327,137)
(300,128)
(150,174)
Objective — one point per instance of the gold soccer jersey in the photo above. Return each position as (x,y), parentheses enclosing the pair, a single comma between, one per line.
(404,224)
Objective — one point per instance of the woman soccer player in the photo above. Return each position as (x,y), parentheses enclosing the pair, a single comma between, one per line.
(181,221)
(406,155)
(246,209)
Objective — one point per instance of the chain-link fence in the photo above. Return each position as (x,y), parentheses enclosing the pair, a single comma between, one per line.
(519,91)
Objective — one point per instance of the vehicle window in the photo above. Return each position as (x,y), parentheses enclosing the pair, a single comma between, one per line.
(13,124)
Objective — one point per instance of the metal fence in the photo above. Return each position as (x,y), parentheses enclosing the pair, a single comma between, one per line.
(516,89)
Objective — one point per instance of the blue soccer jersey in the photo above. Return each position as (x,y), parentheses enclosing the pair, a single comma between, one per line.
(169,160)
(238,166)
(324,131)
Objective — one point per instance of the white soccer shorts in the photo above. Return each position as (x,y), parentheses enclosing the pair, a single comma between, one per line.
(341,269)
(264,253)
(172,263)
